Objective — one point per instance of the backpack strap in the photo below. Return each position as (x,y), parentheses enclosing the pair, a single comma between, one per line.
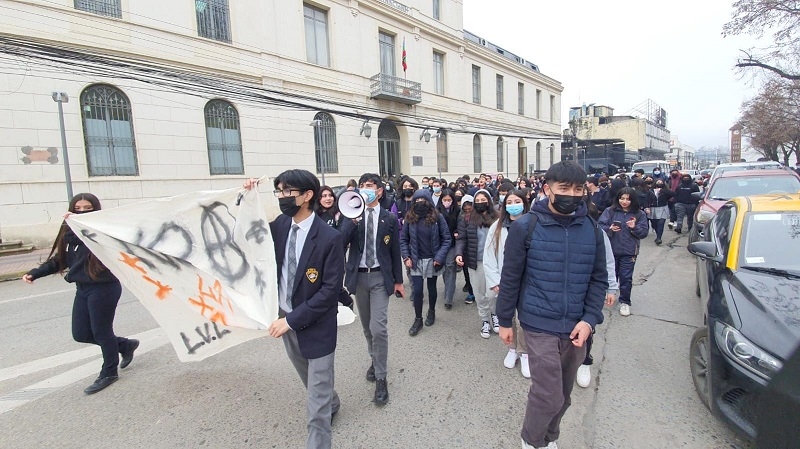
(531,228)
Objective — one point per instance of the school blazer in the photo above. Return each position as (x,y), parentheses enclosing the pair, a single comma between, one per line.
(317,284)
(387,250)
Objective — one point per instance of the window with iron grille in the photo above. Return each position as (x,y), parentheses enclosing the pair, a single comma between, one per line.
(108,132)
(476,154)
(316,22)
(213,19)
(476,84)
(438,73)
(110,8)
(224,139)
(437,9)
(441,151)
(520,99)
(500,158)
(500,92)
(325,144)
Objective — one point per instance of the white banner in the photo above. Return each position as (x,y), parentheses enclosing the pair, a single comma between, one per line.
(203,264)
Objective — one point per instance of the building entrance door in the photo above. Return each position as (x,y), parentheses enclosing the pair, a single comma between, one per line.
(522,158)
(388,149)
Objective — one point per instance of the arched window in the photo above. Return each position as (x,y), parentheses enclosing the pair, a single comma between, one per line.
(325,144)
(476,153)
(500,159)
(441,151)
(108,132)
(538,156)
(552,154)
(224,139)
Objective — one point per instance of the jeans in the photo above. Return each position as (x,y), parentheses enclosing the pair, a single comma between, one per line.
(93,322)
(624,267)
(672,216)
(416,285)
(685,210)
(450,276)
(658,225)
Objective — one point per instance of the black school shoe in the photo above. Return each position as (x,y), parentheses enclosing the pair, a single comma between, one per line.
(127,356)
(431,318)
(100,383)
(416,327)
(371,373)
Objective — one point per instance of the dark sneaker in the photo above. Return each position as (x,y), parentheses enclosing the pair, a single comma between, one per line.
(100,383)
(127,356)
(448,306)
(382,391)
(416,327)
(658,241)
(470,299)
(371,373)
(431,318)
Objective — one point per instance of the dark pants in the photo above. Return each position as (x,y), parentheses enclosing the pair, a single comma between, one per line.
(658,225)
(466,279)
(93,322)
(554,365)
(685,210)
(624,266)
(673,216)
(416,285)
(588,360)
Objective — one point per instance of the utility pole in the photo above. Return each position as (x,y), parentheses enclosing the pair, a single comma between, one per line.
(60,98)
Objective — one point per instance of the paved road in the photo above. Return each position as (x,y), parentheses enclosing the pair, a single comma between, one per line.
(448,386)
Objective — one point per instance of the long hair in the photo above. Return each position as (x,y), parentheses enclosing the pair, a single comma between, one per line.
(631,195)
(331,211)
(59,250)
(498,230)
(485,219)
(431,218)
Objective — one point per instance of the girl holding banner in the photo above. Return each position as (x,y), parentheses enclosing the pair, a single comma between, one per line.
(96,298)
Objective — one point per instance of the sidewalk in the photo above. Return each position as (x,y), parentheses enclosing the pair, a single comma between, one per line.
(13,267)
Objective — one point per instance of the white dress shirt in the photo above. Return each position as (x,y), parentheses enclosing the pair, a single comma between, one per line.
(302,233)
(375,220)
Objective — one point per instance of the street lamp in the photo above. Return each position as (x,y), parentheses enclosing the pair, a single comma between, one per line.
(61,98)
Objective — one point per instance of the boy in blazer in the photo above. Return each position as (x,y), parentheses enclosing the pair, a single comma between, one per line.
(310,270)
(374,271)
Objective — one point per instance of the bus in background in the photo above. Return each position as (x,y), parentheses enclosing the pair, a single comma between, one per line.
(648,166)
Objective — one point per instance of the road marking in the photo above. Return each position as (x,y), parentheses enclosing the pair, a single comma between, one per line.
(57,292)
(152,339)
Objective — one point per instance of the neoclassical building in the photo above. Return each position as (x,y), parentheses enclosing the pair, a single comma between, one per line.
(172,97)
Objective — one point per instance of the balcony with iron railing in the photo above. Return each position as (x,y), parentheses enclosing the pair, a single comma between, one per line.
(392,88)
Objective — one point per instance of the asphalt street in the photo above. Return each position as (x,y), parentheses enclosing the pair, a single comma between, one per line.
(448,387)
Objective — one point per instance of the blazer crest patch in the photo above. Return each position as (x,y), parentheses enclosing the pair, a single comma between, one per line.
(312,275)
(386,239)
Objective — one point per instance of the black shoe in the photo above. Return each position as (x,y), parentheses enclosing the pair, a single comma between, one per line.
(127,356)
(333,414)
(678,230)
(381,391)
(448,306)
(431,318)
(416,327)
(100,383)
(371,373)
(465,289)
(658,241)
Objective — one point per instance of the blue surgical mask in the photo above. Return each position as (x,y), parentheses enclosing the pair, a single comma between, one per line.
(514,209)
(501,197)
(437,189)
(370,194)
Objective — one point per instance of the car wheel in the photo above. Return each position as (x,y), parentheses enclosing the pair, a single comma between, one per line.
(699,362)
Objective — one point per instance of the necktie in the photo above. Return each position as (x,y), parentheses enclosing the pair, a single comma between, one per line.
(291,268)
(370,256)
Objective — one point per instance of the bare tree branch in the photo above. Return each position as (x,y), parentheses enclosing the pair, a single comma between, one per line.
(756,63)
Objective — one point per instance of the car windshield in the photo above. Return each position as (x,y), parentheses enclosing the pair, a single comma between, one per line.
(646,166)
(771,240)
(727,188)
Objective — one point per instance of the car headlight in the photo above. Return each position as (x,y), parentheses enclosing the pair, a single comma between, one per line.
(745,353)
(704,215)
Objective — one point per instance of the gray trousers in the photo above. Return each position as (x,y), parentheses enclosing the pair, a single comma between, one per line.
(486,299)
(554,365)
(373,310)
(322,401)
(450,276)
(684,210)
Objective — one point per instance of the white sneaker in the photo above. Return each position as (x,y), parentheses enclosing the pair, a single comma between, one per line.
(524,367)
(584,376)
(511,359)
(528,446)
(552,445)
(486,330)
(624,310)
(495,324)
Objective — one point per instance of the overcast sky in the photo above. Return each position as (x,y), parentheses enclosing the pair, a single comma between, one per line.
(619,53)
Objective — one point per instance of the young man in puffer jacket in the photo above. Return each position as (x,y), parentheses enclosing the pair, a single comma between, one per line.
(558,294)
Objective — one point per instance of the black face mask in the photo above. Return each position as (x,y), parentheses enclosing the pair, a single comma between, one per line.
(422,209)
(481,207)
(649,182)
(82,211)
(674,175)
(288,206)
(566,204)
(686,181)
(408,192)
(659,185)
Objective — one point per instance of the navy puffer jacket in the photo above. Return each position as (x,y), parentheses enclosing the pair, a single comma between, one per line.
(564,278)
(440,240)
(625,242)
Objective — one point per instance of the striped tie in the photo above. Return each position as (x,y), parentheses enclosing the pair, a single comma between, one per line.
(370,259)
(292,266)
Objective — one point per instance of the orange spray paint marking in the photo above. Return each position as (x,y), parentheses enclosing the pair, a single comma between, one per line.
(219,317)
(207,296)
(132,262)
(213,293)
(163,290)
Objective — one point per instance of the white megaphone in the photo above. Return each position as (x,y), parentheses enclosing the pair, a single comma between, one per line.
(352,204)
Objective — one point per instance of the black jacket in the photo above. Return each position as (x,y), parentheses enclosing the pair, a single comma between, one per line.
(663,197)
(451,217)
(683,194)
(441,240)
(467,242)
(387,250)
(77,261)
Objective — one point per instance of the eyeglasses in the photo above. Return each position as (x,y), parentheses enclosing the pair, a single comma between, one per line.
(285,192)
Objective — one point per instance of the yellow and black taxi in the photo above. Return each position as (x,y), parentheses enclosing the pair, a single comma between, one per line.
(748,279)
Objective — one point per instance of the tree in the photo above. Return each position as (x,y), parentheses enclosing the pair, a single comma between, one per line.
(782,19)
(771,119)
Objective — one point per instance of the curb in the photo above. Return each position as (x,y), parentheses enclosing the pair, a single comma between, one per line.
(13,276)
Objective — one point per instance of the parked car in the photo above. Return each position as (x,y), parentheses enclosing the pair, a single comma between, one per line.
(731,184)
(739,166)
(747,280)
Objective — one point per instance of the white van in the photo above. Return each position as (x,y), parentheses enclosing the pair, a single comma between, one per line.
(648,166)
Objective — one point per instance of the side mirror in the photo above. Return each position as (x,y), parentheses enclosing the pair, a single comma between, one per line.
(697,195)
(705,250)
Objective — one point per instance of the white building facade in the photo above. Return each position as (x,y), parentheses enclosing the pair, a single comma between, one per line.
(173,97)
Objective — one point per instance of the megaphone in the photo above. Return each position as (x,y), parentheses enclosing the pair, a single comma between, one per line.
(352,204)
